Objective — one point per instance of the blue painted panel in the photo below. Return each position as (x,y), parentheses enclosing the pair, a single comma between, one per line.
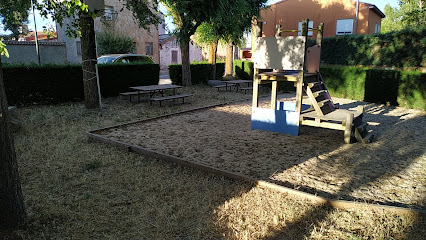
(277,121)
(290,106)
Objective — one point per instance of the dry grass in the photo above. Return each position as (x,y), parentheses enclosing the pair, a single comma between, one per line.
(76,189)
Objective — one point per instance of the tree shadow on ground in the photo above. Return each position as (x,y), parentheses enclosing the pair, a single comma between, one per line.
(395,161)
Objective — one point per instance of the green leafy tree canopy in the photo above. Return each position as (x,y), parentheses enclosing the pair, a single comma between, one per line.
(14,13)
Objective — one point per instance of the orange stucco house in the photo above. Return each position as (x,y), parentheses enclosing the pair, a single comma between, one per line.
(339,17)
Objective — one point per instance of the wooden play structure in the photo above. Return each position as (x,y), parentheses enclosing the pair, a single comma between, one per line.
(289,59)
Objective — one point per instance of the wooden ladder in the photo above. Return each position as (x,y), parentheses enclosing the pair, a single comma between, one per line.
(360,132)
(318,94)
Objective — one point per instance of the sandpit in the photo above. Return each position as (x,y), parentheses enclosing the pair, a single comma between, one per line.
(391,170)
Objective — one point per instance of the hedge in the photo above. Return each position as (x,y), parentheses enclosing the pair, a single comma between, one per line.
(50,84)
(200,72)
(395,87)
(405,48)
(243,69)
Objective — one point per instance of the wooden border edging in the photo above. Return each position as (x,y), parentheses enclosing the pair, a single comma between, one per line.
(338,204)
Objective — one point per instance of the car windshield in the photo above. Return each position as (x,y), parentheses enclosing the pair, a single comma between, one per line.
(106,59)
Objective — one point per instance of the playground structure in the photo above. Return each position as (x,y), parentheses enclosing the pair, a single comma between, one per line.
(289,59)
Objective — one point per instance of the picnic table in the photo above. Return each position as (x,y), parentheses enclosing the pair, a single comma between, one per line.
(238,84)
(152,89)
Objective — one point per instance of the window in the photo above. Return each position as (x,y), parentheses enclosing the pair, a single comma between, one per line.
(149,48)
(78,47)
(109,13)
(344,26)
(377,28)
(310,25)
(174,56)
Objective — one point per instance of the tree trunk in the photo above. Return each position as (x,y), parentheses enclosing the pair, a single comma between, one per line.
(12,209)
(186,69)
(212,59)
(229,61)
(88,53)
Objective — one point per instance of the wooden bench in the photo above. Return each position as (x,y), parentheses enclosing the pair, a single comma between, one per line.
(130,94)
(172,97)
(245,89)
(224,86)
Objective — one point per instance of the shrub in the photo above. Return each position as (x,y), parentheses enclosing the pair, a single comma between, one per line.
(412,90)
(345,82)
(110,43)
(403,88)
(405,48)
(47,84)
(200,72)
(243,69)
(381,86)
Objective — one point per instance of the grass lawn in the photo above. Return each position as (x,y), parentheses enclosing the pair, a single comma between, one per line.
(77,189)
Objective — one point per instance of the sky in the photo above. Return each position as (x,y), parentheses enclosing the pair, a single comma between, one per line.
(46,22)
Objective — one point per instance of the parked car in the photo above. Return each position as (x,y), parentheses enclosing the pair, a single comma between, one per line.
(125,58)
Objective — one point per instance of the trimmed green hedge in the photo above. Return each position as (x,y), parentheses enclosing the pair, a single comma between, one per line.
(243,69)
(200,72)
(47,84)
(403,88)
(404,48)
(400,88)
(345,82)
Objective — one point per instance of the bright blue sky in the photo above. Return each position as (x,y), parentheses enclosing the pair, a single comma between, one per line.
(45,22)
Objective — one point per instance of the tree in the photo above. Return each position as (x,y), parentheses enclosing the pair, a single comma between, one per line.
(409,13)
(144,11)
(230,21)
(12,209)
(392,22)
(188,15)
(205,35)
(413,12)
(14,14)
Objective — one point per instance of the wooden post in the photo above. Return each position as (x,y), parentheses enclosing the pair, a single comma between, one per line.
(301,76)
(257,32)
(320,33)
(274,95)
(348,127)
(278,29)
(255,103)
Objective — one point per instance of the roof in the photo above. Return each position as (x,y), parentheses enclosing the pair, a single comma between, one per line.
(33,43)
(371,6)
(376,10)
(163,38)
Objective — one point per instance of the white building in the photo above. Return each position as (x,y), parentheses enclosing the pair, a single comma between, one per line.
(170,51)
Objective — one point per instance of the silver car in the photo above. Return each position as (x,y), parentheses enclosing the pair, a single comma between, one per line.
(125,58)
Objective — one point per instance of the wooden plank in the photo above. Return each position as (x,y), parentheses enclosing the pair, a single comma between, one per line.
(329,125)
(280,52)
(255,101)
(314,102)
(299,93)
(338,115)
(274,95)
(348,127)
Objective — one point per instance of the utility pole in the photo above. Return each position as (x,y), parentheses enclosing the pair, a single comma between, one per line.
(36,36)
(356,16)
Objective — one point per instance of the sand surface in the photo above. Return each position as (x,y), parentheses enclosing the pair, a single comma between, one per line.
(391,170)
